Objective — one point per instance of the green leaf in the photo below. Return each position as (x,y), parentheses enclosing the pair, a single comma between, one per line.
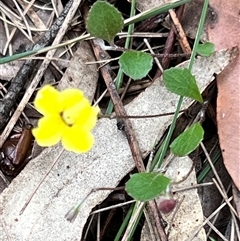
(104,21)
(188,140)
(205,49)
(135,64)
(182,82)
(146,186)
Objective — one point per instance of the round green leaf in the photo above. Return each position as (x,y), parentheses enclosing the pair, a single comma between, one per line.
(182,82)
(104,21)
(135,64)
(188,141)
(205,49)
(146,186)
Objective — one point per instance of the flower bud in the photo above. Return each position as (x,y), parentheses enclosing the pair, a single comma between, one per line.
(167,205)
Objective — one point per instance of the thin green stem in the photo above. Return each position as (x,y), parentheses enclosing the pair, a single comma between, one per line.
(124,223)
(191,62)
(169,134)
(155,11)
(128,43)
(199,33)
(131,26)
(43,50)
(207,169)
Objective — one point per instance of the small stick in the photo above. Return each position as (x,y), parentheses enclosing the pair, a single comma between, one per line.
(150,226)
(73,212)
(182,189)
(132,221)
(181,35)
(168,48)
(113,206)
(155,58)
(224,197)
(137,116)
(216,231)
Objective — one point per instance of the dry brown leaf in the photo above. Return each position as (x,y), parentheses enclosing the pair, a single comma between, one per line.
(80,75)
(225,34)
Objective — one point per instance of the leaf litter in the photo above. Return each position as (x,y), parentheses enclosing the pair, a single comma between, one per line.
(104,166)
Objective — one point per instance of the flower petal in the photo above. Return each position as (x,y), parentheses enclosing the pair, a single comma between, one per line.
(71,114)
(88,118)
(48,100)
(49,130)
(71,97)
(76,140)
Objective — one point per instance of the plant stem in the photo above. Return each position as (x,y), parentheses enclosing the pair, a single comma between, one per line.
(128,43)
(199,33)
(154,11)
(191,62)
(169,134)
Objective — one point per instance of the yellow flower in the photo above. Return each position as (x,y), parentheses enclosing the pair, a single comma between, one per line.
(67,117)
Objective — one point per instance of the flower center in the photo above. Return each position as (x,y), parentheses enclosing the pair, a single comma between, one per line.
(70,115)
(66,119)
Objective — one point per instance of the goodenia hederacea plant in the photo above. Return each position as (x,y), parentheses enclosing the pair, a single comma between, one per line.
(182,82)
(206,49)
(104,21)
(136,64)
(188,141)
(146,186)
(67,117)
(162,152)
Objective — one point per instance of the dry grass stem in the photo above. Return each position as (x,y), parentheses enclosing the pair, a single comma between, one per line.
(216,230)
(112,207)
(155,58)
(207,219)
